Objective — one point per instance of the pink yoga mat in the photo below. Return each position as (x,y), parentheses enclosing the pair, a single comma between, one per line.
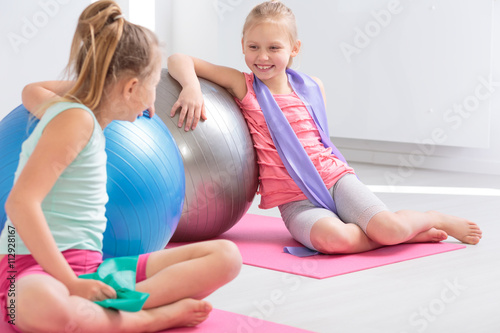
(227,322)
(261,240)
(219,321)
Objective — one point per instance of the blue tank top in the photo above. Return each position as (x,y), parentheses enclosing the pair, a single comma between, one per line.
(75,206)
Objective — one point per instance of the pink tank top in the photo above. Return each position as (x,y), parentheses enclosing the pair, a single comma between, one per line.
(276,185)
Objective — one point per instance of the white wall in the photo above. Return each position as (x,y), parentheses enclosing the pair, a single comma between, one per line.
(35,38)
(211,29)
(441,156)
(400,88)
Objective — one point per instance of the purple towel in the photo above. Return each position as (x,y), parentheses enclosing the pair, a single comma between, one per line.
(291,152)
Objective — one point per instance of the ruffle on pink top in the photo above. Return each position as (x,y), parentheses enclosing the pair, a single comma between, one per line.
(276,185)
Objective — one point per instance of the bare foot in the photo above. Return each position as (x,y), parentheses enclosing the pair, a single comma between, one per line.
(432,235)
(463,230)
(186,312)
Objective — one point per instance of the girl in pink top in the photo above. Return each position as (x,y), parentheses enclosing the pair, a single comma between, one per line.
(361,222)
(276,186)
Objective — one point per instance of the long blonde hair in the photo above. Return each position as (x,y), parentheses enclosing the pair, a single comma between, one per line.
(105,47)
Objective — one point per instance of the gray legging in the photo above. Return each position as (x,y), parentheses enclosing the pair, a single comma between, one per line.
(355,204)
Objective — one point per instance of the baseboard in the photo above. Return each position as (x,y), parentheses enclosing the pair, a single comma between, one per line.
(408,157)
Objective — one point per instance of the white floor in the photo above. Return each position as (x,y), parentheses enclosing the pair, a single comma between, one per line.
(458,291)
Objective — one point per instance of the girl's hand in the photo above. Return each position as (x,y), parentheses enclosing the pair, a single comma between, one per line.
(92,290)
(150,111)
(191,104)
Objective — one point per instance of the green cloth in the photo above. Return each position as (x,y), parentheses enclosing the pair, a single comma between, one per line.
(120,273)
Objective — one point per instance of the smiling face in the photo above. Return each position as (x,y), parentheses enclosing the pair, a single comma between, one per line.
(268,49)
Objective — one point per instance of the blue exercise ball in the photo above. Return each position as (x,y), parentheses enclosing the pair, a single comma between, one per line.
(14,130)
(146,180)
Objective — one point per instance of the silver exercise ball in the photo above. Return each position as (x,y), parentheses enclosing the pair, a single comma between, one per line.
(219,161)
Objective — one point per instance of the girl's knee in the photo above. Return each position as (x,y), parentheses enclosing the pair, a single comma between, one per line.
(228,256)
(332,242)
(387,228)
(40,308)
(334,236)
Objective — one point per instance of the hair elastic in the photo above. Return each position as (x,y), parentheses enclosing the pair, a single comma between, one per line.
(118,17)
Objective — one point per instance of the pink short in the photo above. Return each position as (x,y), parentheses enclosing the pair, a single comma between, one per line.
(82,262)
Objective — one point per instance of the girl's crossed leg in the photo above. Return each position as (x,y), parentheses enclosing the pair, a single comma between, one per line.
(177,279)
(364,223)
(408,226)
(357,204)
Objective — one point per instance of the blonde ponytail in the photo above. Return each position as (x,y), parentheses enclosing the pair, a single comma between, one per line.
(105,47)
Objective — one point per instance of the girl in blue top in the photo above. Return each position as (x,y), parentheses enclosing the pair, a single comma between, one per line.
(356,220)
(57,203)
